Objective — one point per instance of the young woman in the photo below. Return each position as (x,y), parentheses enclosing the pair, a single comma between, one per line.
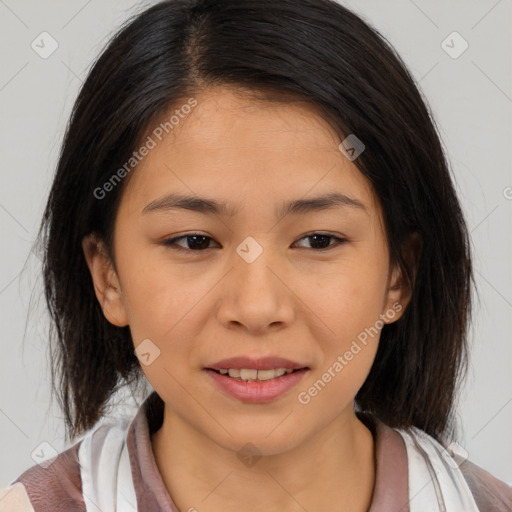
(252,210)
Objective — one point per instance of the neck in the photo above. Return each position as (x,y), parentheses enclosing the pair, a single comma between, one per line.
(336,463)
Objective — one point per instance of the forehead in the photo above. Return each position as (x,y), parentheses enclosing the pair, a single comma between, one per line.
(226,120)
(233,146)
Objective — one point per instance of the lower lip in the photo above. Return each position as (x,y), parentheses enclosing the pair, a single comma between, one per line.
(257,391)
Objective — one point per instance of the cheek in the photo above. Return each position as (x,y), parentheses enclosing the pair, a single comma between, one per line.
(156,295)
(349,297)
(163,304)
(349,303)
(348,349)
(162,323)
(335,383)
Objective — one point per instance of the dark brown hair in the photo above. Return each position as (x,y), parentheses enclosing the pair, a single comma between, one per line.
(314,50)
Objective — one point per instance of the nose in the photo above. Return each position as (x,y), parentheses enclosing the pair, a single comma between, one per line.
(256,294)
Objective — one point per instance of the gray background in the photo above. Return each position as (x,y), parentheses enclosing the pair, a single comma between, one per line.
(471,97)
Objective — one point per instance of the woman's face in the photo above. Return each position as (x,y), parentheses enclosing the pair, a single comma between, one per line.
(252,283)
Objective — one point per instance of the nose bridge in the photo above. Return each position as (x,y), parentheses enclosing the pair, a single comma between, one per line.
(253,263)
(255,295)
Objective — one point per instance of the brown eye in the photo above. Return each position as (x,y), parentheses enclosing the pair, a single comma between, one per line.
(194,242)
(320,241)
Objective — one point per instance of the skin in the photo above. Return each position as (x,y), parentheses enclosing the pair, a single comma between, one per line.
(294,301)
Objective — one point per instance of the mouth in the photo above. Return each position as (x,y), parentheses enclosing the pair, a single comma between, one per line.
(253,375)
(253,386)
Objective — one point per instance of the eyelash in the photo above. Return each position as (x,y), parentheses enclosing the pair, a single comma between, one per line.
(171,242)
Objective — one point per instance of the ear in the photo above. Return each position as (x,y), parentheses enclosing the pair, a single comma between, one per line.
(105,280)
(399,291)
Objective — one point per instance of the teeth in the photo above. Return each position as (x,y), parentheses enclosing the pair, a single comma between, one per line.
(270,374)
(252,374)
(248,374)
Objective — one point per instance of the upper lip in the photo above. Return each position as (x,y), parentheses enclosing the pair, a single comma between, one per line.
(263,363)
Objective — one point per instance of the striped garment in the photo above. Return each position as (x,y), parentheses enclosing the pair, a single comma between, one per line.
(112,469)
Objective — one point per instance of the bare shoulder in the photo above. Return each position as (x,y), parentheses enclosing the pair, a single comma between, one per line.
(15,497)
(490,493)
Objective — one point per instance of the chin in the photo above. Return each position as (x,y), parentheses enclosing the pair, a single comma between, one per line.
(250,440)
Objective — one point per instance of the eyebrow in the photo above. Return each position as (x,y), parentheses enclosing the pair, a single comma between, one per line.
(213,207)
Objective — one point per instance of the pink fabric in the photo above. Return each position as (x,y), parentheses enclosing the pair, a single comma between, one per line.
(58,488)
(149,487)
(491,494)
(390,492)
